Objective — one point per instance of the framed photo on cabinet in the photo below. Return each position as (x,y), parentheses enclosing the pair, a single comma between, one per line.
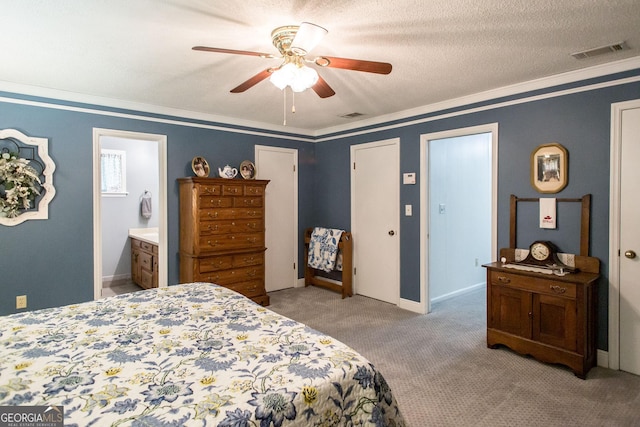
(549,168)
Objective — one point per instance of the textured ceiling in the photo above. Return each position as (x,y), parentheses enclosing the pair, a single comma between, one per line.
(138,52)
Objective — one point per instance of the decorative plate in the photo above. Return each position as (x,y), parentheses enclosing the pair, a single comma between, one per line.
(247,170)
(200,166)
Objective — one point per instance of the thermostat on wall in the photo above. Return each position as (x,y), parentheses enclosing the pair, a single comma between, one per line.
(409,178)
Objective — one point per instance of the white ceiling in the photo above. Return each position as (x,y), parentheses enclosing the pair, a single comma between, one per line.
(138,52)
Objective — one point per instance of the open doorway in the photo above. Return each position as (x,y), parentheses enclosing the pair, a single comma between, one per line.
(129,210)
(458,203)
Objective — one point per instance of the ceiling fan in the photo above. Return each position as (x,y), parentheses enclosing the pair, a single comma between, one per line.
(294,43)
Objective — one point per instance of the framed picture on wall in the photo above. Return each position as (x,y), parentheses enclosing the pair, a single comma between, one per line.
(549,168)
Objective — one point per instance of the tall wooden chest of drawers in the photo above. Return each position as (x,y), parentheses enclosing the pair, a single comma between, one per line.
(222,228)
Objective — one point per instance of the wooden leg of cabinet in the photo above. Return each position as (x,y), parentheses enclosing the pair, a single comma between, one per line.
(263,300)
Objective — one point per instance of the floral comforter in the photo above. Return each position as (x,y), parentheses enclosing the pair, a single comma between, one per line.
(194,354)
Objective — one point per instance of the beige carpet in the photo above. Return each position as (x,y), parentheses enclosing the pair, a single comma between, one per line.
(442,373)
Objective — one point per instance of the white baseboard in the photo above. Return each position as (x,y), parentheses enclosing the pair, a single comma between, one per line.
(602,358)
(108,281)
(459,292)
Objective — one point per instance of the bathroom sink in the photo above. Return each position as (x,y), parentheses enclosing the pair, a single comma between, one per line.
(149,235)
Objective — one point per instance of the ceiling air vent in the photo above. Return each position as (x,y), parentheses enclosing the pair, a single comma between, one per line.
(351,115)
(600,50)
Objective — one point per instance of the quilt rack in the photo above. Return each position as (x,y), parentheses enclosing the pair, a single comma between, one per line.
(311,276)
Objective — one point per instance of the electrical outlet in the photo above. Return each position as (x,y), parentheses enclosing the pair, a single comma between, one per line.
(21,301)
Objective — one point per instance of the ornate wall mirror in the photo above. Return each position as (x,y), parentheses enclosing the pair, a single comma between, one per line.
(26,177)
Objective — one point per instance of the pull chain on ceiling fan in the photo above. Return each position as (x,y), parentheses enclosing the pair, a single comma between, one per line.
(294,43)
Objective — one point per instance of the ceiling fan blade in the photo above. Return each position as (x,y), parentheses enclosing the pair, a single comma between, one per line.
(232,51)
(353,64)
(322,88)
(253,81)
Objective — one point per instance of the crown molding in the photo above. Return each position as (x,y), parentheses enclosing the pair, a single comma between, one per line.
(230,124)
(515,89)
(98,101)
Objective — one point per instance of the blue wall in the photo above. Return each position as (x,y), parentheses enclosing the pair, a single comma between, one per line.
(580,121)
(52,262)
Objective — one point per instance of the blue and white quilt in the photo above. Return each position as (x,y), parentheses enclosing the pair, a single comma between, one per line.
(323,249)
(194,354)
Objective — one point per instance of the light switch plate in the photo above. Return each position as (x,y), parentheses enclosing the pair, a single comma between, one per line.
(409,178)
(408,210)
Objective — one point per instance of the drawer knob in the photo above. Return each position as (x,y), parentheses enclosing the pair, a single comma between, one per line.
(558,289)
(503,279)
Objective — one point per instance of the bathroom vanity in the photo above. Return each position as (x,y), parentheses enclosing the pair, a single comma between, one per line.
(144,257)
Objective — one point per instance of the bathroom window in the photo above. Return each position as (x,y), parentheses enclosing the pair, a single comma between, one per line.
(113,167)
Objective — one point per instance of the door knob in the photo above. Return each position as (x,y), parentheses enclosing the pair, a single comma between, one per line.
(630,254)
(391,232)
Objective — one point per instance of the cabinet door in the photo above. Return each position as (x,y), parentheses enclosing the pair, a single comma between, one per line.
(511,311)
(135,265)
(554,321)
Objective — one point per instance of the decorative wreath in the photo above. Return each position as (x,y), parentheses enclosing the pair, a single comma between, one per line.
(19,185)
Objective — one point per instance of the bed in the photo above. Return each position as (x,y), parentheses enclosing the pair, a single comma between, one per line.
(191,354)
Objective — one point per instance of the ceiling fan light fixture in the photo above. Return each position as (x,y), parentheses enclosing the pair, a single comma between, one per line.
(299,78)
(307,37)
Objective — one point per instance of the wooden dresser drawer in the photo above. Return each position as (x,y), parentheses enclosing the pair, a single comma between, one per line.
(243,260)
(231,241)
(236,213)
(231,226)
(254,190)
(247,202)
(225,262)
(209,264)
(249,289)
(226,277)
(534,284)
(146,246)
(215,202)
(232,189)
(208,189)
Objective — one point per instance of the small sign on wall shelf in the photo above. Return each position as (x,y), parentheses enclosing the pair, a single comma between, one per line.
(409,178)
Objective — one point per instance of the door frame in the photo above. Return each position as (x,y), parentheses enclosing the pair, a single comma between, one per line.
(492,128)
(295,280)
(97,204)
(615,196)
(396,226)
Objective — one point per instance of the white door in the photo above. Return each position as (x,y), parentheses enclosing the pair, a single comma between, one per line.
(279,166)
(630,242)
(375,186)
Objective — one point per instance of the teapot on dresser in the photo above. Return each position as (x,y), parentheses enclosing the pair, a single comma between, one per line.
(227,172)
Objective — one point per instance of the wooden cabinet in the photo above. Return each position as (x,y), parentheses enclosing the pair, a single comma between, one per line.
(144,263)
(552,318)
(222,234)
